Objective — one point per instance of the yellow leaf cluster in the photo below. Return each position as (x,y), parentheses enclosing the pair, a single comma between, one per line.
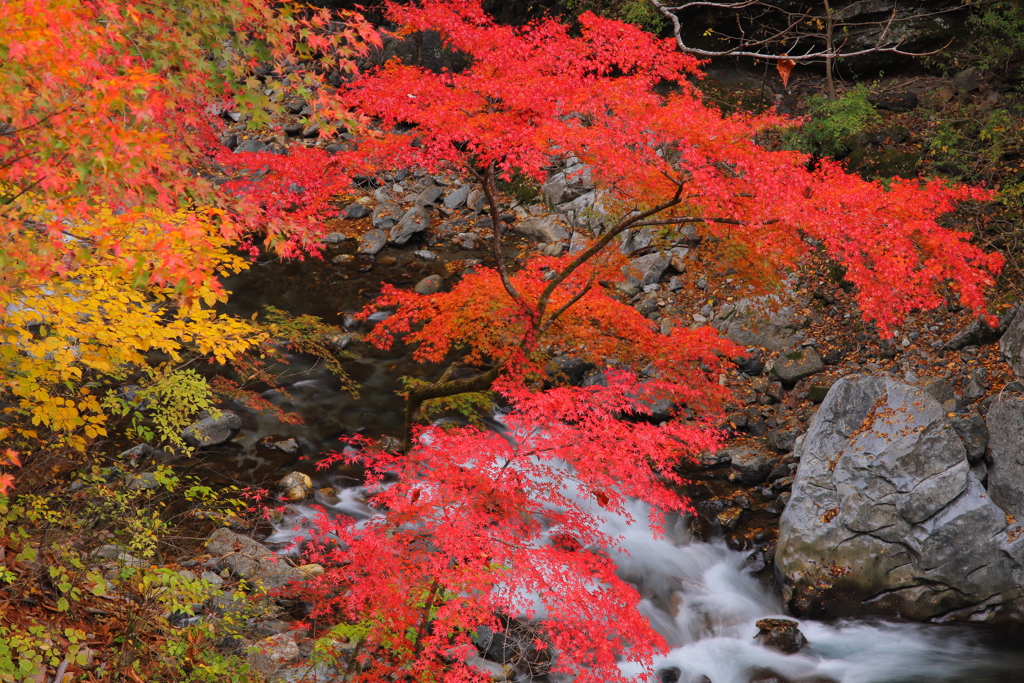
(65,340)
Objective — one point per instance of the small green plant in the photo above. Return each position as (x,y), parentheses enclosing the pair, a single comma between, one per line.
(833,123)
(71,554)
(972,142)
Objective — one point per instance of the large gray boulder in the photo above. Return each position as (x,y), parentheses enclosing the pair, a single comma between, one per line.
(1005,421)
(887,519)
(1011,344)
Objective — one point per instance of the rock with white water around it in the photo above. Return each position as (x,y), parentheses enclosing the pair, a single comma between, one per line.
(296,486)
(780,634)
(887,519)
(212,431)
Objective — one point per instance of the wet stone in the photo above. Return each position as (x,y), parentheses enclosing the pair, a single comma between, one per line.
(428,285)
(373,242)
(780,634)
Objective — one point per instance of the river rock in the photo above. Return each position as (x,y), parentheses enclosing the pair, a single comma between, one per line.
(212,431)
(457,198)
(429,195)
(793,366)
(635,240)
(650,267)
(415,220)
(252,146)
(372,242)
(272,654)
(475,200)
(972,431)
(428,285)
(296,486)
(354,211)
(760,322)
(780,634)
(748,466)
(886,518)
(561,188)
(386,216)
(250,560)
(542,229)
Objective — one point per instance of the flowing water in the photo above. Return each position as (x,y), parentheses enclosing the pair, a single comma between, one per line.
(696,594)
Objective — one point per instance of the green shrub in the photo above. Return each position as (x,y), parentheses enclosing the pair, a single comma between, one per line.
(833,123)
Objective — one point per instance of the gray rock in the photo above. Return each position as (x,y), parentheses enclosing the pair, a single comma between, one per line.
(270,655)
(475,200)
(372,242)
(1011,344)
(354,211)
(334,238)
(250,560)
(979,332)
(635,240)
(560,188)
(793,366)
(759,322)
(252,146)
(425,255)
(212,431)
(650,267)
(414,221)
(136,453)
(382,195)
(886,519)
(429,195)
(428,285)
(542,228)
(386,216)
(749,467)
(457,198)
(1005,422)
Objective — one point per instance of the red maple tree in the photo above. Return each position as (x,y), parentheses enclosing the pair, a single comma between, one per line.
(484,528)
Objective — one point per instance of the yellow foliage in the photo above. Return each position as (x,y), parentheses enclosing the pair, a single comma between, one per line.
(64,340)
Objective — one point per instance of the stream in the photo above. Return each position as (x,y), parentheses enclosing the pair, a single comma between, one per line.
(697,594)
